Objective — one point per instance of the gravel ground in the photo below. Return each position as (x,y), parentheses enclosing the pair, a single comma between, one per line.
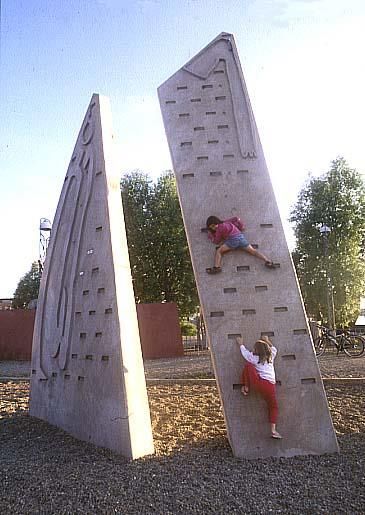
(44,470)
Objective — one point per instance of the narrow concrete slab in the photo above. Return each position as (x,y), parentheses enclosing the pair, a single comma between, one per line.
(87,372)
(220,170)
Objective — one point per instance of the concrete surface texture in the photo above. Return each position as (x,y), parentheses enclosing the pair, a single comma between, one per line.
(220,170)
(87,373)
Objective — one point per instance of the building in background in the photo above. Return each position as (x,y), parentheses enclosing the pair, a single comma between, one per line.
(6,304)
(360,322)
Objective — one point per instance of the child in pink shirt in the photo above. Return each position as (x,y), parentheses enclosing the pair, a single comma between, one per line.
(258,374)
(229,236)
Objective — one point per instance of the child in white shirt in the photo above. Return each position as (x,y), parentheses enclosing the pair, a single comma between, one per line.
(258,374)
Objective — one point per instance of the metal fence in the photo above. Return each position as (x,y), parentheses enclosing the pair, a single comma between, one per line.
(192,344)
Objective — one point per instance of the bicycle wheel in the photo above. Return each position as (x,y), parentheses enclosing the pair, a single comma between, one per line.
(320,345)
(353,346)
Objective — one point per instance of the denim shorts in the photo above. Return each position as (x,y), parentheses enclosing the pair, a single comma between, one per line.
(237,242)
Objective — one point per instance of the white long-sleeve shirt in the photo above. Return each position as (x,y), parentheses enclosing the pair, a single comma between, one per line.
(264,370)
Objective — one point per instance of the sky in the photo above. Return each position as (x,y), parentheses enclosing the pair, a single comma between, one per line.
(303,62)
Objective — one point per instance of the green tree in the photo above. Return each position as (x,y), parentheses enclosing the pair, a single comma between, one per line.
(172,264)
(336,199)
(28,287)
(159,255)
(137,191)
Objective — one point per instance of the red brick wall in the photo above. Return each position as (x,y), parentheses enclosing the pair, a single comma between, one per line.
(158,326)
(159,329)
(16,333)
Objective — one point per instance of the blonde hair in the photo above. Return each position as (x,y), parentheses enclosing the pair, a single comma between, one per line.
(262,349)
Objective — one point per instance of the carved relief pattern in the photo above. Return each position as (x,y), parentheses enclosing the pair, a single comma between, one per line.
(56,327)
(241,106)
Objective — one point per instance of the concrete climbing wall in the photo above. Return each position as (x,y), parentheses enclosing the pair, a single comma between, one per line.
(220,170)
(87,371)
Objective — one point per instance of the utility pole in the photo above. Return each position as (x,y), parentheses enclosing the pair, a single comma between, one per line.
(325,232)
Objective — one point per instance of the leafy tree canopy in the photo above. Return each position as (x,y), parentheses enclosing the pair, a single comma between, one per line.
(28,287)
(336,199)
(158,249)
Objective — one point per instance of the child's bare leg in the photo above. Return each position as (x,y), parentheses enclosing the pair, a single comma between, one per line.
(257,254)
(219,253)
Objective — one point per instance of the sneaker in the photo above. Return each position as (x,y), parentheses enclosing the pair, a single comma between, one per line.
(276,435)
(271,264)
(214,270)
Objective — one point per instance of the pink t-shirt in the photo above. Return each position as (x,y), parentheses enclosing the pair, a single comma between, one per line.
(225,230)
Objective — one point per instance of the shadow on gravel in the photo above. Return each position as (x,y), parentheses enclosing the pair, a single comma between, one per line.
(44,470)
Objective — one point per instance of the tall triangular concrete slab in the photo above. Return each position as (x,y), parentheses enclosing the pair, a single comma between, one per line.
(87,370)
(220,170)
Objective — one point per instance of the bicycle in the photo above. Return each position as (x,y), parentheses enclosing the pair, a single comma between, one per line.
(351,344)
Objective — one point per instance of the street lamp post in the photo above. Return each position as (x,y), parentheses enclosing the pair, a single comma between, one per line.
(325,231)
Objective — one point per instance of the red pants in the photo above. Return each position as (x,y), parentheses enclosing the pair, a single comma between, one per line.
(267,390)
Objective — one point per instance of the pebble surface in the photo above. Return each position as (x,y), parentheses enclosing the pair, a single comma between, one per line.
(44,470)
